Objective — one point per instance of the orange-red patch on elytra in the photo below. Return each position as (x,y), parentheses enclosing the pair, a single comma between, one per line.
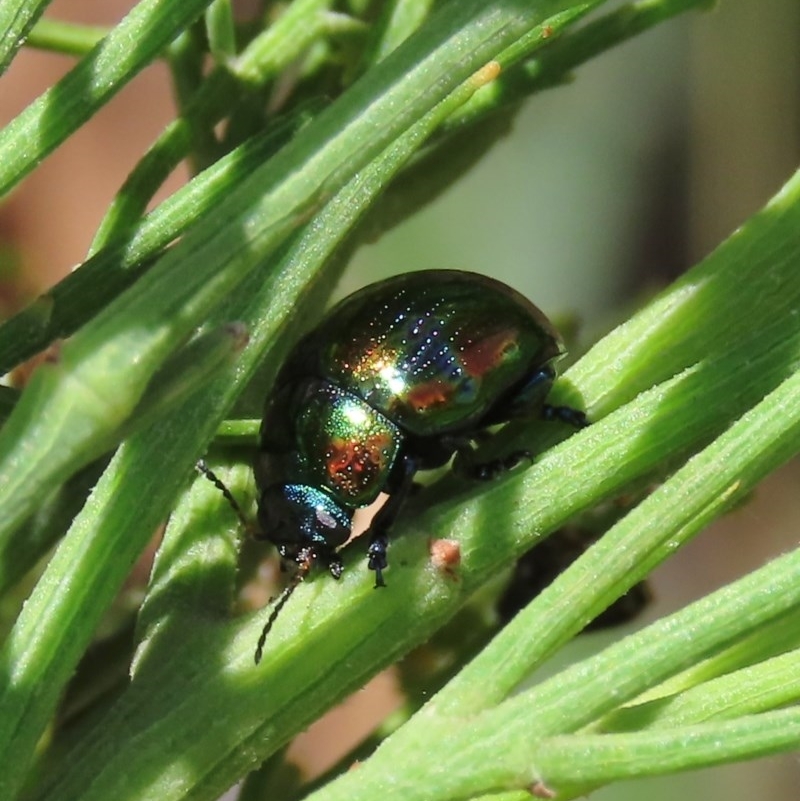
(487,353)
(352,465)
(433,393)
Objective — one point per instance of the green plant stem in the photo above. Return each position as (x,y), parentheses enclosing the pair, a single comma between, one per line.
(769,641)
(17,17)
(771,684)
(186,57)
(273,50)
(81,294)
(27,545)
(187,131)
(201,529)
(760,687)
(567,765)
(595,760)
(552,65)
(65,37)
(220,30)
(338,24)
(236,432)
(399,19)
(8,400)
(62,108)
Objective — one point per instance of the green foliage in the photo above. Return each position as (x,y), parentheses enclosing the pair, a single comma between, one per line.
(700,389)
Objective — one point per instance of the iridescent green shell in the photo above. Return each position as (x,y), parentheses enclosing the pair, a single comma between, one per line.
(346,445)
(431,351)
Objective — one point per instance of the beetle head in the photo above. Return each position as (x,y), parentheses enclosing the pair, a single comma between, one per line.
(300,519)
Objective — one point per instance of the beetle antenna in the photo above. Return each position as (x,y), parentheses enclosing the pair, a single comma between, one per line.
(206,471)
(294,582)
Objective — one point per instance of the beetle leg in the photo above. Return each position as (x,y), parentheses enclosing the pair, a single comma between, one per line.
(335,566)
(384,517)
(464,450)
(566,414)
(376,556)
(466,466)
(488,471)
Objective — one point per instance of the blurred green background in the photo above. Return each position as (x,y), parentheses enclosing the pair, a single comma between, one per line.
(606,189)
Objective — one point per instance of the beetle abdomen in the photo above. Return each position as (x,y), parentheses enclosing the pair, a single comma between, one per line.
(432,355)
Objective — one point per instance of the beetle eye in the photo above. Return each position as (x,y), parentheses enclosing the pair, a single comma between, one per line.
(324,518)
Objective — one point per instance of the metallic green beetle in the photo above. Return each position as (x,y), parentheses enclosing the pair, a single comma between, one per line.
(396,378)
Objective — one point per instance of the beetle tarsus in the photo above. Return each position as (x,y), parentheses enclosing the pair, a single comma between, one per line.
(565,414)
(336,568)
(376,554)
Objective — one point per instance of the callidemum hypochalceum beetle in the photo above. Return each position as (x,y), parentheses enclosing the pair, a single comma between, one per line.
(396,378)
